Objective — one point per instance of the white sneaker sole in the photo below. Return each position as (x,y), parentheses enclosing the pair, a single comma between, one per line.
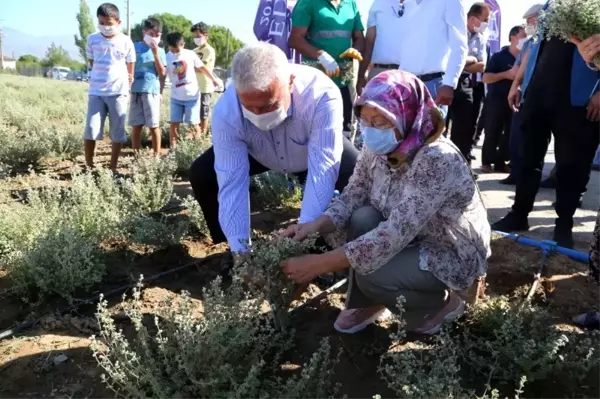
(455,314)
(359,327)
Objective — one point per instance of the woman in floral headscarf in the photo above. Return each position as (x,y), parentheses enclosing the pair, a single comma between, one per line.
(410,222)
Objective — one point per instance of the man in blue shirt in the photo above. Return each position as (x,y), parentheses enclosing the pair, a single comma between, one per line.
(277,116)
(562,98)
(148,83)
(499,74)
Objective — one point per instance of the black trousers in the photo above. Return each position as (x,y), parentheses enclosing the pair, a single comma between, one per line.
(206,188)
(347,102)
(479,108)
(463,116)
(496,144)
(576,141)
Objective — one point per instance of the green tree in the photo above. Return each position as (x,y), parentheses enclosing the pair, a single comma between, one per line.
(56,56)
(29,59)
(86,28)
(170,23)
(218,39)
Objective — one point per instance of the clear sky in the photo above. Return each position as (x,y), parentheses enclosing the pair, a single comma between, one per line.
(57,17)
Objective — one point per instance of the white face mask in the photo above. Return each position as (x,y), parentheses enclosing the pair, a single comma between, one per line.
(108,30)
(521,43)
(482,28)
(149,40)
(266,121)
(530,30)
(199,41)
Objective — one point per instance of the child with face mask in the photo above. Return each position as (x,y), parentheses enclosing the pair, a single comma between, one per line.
(182,65)
(112,57)
(207,54)
(148,84)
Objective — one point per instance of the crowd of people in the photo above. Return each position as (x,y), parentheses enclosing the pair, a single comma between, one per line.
(410,220)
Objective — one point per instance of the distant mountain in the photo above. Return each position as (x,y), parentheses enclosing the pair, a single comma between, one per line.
(19,43)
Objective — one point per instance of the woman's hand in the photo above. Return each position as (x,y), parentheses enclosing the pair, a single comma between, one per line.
(303,269)
(299,232)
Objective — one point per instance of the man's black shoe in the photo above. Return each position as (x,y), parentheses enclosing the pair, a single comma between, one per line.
(563,236)
(509,181)
(510,223)
(548,183)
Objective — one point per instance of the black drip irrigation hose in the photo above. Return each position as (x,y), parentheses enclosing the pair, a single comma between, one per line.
(116,291)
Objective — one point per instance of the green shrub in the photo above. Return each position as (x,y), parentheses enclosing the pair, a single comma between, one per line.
(186,151)
(262,266)
(272,190)
(223,348)
(195,214)
(151,185)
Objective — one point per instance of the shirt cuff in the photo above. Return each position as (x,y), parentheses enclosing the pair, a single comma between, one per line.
(338,220)
(239,244)
(449,80)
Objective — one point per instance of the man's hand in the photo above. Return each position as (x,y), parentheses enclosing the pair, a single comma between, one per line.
(218,84)
(329,64)
(153,46)
(303,269)
(352,53)
(593,108)
(444,96)
(299,232)
(514,97)
(589,48)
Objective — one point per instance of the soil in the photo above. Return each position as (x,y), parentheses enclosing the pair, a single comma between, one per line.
(31,363)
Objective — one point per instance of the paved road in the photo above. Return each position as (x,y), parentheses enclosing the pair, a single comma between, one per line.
(498,199)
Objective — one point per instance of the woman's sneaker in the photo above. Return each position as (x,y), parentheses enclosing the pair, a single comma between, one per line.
(453,309)
(351,321)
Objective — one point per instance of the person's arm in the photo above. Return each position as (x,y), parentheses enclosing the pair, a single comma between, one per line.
(423,196)
(358,36)
(89,53)
(301,20)
(514,95)
(232,168)
(491,74)
(368,53)
(162,78)
(130,60)
(456,22)
(479,66)
(325,147)
(159,61)
(201,68)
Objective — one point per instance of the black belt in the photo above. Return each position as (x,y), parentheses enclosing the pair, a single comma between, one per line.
(430,76)
(387,66)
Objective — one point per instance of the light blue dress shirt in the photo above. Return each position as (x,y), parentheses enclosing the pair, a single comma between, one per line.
(309,139)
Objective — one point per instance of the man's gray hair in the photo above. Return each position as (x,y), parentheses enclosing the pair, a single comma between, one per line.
(533,11)
(256,66)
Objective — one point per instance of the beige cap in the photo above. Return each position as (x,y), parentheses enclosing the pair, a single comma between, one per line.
(533,11)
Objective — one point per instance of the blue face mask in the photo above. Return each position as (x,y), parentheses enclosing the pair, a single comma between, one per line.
(380,141)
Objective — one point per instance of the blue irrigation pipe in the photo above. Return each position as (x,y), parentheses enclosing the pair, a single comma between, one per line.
(547,247)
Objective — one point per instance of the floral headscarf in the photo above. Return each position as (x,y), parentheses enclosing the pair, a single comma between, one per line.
(405,101)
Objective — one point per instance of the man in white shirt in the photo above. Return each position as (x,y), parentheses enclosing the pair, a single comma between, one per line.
(282,117)
(426,38)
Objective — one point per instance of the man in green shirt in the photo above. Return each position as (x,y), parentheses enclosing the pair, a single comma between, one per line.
(329,35)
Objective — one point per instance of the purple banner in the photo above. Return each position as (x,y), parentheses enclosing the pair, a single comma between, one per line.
(494,31)
(273,24)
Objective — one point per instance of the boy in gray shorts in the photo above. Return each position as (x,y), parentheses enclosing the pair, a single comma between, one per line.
(148,84)
(112,59)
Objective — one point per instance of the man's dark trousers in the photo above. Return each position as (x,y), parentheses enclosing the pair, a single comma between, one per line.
(498,121)
(463,115)
(576,140)
(206,188)
(516,144)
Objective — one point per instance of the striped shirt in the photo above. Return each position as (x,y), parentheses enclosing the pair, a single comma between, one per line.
(109,75)
(309,139)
